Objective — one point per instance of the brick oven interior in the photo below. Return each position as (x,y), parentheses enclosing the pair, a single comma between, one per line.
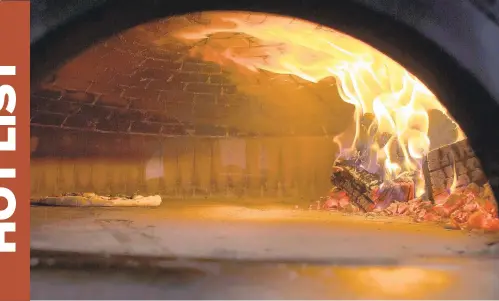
(237,157)
(130,116)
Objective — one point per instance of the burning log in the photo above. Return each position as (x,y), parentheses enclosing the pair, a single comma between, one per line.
(367,190)
(451,165)
(358,183)
(399,190)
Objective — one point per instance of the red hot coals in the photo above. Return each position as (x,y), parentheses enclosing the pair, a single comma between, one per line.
(469,208)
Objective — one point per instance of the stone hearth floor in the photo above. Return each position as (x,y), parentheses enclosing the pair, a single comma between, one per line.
(253,230)
(259,231)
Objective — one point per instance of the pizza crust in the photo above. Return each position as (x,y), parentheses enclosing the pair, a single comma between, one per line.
(94,200)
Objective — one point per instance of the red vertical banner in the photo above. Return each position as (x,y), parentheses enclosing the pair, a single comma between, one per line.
(14,150)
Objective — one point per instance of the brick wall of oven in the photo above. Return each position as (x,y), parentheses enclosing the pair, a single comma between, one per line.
(126,117)
(179,166)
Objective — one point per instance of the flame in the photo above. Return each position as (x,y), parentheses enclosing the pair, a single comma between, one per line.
(453,186)
(366,78)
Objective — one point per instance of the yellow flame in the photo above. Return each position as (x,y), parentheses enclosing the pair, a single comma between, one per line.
(366,78)
(453,186)
(420,184)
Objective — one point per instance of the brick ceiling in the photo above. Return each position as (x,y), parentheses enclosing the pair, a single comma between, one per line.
(143,81)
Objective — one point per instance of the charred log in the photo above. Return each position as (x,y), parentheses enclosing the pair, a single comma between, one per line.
(399,190)
(367,190)
(454,161)
(358,183)
(362,178)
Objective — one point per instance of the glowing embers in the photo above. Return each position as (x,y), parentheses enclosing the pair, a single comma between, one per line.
(469,208)
(456,192)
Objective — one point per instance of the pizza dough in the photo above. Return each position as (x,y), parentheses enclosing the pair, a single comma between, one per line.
(94,200)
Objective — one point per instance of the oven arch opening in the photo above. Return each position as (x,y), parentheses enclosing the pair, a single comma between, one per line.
(94,176)
(370,22)
(210,75)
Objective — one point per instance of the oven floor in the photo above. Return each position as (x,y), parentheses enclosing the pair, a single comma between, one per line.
(465,280)
(271,230)
(254,230)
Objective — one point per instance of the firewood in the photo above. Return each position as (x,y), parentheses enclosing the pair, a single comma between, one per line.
(367,190)
(399,190)
(358,183)
(439,166)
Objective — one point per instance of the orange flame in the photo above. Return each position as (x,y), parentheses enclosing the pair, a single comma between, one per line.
(366,78)
(454,183)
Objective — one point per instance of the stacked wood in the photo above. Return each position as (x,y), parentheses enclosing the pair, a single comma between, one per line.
(358,183)
(454,161)
(368,190)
